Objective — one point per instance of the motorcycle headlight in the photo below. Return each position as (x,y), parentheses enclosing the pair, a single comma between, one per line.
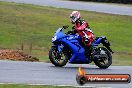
(54,38)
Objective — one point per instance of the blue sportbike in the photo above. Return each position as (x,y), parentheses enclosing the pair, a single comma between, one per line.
(68,47)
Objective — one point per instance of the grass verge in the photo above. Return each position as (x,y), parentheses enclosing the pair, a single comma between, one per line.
(32,27)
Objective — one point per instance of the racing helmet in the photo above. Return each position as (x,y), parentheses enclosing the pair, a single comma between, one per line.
(75,15)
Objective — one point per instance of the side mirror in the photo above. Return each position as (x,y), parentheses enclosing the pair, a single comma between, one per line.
(65,26)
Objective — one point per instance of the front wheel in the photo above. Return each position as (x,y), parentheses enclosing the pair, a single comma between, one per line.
(56,58)
(103,59)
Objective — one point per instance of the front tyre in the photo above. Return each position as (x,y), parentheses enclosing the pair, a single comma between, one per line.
(103,59)
(58,59)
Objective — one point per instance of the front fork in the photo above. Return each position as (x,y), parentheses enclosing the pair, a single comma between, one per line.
(59,47)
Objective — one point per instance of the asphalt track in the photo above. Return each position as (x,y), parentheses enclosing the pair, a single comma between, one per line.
(88,6)
(46,74)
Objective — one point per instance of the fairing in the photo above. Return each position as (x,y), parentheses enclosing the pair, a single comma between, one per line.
(73,42)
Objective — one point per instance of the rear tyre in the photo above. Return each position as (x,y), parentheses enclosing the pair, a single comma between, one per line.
(58,59)
(103,62)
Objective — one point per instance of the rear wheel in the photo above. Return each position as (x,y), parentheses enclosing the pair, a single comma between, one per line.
(103,59)
(58,59)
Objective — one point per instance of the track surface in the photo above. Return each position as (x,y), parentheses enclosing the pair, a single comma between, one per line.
(46,74)
(89,6)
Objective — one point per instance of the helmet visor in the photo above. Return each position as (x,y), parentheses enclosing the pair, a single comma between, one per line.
(73,18)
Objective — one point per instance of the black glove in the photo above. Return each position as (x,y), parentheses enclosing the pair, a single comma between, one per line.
(65,26)
(71,32)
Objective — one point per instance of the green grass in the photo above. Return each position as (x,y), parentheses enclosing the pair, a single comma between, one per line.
(26,24)
(28,86)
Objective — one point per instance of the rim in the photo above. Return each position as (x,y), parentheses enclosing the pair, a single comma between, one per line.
(58,57)
(104,60)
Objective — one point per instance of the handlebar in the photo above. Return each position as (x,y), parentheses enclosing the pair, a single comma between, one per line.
(65,26)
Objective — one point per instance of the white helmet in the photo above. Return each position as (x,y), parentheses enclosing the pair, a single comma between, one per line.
(75,15)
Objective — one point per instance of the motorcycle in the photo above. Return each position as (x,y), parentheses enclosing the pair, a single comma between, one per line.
(68,47)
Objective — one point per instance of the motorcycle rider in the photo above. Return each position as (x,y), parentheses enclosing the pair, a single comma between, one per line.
(82,28)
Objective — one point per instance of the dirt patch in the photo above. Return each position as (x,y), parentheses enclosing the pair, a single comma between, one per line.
(16,55)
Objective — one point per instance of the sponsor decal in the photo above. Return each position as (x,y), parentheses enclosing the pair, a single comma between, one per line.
(83,78)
